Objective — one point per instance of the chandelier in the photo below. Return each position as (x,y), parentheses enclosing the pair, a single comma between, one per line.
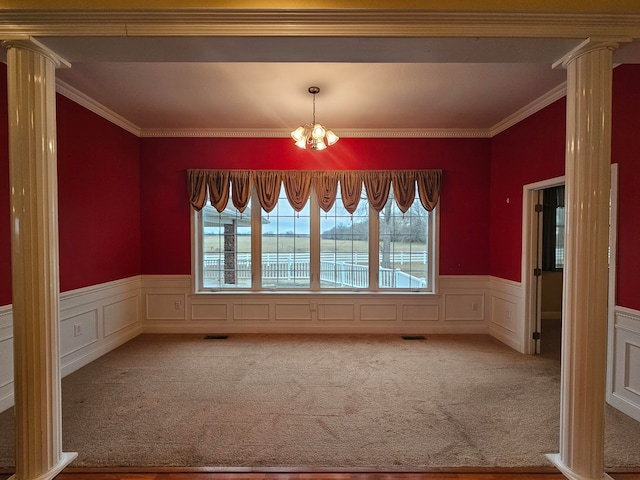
(314,134)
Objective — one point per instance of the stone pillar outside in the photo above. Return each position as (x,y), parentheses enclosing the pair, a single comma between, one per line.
(584,329)
(230,252)
(34,259)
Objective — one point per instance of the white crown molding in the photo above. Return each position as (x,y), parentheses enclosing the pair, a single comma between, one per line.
(349,22)
(528,110)
(416,133)
(90,104)
(351,133)
(215,132)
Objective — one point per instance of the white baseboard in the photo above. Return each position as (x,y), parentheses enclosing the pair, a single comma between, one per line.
(302,330)
(505,338)
(7,401)
(95,353)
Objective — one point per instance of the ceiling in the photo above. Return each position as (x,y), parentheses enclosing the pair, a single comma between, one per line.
(369,85)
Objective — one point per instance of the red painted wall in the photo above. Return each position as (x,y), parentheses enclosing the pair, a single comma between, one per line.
(98,198)
(533,150)
(530,151)
(5,212)
(625,150)
(464,225)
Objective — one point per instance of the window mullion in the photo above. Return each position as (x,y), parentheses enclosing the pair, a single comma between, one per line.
(434,248)
(256,242)
(374,247)
(197,260)
(314,261)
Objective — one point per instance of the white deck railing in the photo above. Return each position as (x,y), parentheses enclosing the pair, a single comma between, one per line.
(348,273)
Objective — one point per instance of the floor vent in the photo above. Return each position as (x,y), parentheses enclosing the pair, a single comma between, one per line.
(414,337)
(216,337)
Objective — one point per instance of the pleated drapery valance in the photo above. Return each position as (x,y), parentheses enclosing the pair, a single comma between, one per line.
(215,185)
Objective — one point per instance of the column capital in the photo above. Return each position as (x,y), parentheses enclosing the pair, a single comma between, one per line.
(589,45)
(27,42)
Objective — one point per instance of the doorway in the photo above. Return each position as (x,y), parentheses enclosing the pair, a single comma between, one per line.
(548,272)
(532,274)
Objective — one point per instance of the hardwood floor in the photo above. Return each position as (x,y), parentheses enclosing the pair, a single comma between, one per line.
(204,474)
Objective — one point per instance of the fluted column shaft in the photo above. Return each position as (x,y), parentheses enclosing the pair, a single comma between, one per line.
(584,342)
(34,260)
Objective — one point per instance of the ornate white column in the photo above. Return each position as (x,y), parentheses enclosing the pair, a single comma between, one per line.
(584,329)
(34,259)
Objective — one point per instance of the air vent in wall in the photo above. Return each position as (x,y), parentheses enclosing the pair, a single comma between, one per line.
(414,337)
(216,337)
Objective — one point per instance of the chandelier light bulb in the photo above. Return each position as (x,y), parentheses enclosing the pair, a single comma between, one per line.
(298,134)
(318,131)
(331,138)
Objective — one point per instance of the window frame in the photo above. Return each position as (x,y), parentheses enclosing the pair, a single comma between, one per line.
(315,237)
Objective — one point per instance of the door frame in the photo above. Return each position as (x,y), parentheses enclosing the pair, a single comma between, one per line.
(613,262)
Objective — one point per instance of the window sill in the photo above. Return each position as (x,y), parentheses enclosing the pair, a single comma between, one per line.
(314,292)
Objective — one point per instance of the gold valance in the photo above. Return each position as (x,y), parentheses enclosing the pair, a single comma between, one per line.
(214,184)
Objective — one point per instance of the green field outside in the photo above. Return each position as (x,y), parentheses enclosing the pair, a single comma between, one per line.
(213,243)
(301,245)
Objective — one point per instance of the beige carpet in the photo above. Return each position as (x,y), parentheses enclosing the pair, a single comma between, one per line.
(376,402)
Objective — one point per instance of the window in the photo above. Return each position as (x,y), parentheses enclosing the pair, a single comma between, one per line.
(226,248)
(286,251)
(553,229)
(404,246)
(346,245)
(559,247)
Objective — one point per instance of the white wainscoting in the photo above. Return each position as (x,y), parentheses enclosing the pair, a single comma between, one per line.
(93,321)
(459,307)
(6,357)
(506,320)
(623,391)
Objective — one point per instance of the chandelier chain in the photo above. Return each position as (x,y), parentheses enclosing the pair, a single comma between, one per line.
(314,109)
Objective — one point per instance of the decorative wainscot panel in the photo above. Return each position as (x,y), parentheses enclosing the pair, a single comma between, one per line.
(624,369)
(507,313)
(95,320)
(458,307)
